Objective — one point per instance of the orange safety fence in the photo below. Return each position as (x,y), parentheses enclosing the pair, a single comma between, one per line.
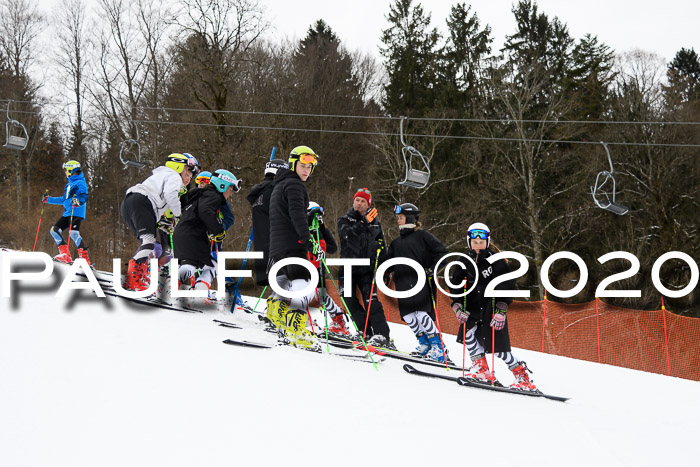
(654,341)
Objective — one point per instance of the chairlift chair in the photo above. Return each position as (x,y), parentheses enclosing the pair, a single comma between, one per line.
(16,136)
(414,178)
(130,152)
(602,198)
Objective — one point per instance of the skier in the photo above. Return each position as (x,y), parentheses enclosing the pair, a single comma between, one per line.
(259,199)
(361,236)
(200,231)
(478,314)
(75,195)
(417,311)
(145,203)
(289,237)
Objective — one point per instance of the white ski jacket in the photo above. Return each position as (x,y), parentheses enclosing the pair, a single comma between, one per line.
(162,190)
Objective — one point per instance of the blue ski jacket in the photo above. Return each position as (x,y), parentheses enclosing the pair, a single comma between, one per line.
(77,187)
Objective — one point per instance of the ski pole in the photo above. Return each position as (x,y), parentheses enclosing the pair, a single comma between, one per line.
(371,290)
(238,284)
(436,301)
(464,333)
(328,271)
(260,298)
(70,226)
(493,342)
(43,204)
(321,299)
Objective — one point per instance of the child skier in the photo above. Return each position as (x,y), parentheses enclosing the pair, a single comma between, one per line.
(146,202)
(200,231)
(479,314)
(417,311)
(75,195)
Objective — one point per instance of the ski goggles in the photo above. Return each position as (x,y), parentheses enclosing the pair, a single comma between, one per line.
(202,179)
(192,165)
(308,159)
(478,233)
(398,209)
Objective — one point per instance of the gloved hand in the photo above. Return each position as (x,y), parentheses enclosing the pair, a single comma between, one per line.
(75,201)
(166,224)
(499,318)
(44,197)
(320,254)
(218,238)
(370,215)
(461,313)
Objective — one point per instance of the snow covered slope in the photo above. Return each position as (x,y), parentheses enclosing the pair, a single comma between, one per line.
(88,381)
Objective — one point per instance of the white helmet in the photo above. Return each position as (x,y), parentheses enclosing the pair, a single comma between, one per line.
(478,230)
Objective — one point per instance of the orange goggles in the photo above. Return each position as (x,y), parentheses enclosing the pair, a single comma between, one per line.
(308,159)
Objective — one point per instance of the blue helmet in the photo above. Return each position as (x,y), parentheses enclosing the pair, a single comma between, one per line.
(222,179)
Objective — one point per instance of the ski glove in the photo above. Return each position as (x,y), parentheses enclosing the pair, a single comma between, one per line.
(44,197)
(499,318)
(461,313)
(320,254)
(370,215)
(218,238)
(167,224)
(75,201)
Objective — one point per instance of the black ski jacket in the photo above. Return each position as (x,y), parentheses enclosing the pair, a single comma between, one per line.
(289,227)
(358,239)
(423,247)
(200,217)
(259,199)
(480,307)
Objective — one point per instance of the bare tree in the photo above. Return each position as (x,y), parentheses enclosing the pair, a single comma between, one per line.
(72,44)
(20,25)
(217,34)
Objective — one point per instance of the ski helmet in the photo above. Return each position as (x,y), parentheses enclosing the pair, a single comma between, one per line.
(314,210)
(196,163)
(478,230)
(178,162)
(304,154)
(72,167)
(271,167)
(203,177)
(409,210)
(222,179)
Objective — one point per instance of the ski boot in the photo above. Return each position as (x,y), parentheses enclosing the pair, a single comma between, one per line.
(83,253)
(64,254)
(423,346)
(296,333)
(338,325)
(435,353)
(522,380)
(210,300)
(136,276)
(479,371)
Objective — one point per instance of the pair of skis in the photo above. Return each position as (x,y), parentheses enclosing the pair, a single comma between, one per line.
(476,384)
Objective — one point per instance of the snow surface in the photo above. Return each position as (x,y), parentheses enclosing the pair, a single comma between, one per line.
(87,381)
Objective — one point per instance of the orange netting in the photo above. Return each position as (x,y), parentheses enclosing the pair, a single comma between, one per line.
(612,335)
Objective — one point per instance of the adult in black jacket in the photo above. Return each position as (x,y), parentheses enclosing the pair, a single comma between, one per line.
(480,316)
(417,311)
(361,236)
(259,199)
(289,237)
(200,229)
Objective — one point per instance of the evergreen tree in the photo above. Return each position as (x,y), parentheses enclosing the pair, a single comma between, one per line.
(684,75)
(411,56)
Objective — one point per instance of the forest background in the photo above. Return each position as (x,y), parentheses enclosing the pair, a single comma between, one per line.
(512,135)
